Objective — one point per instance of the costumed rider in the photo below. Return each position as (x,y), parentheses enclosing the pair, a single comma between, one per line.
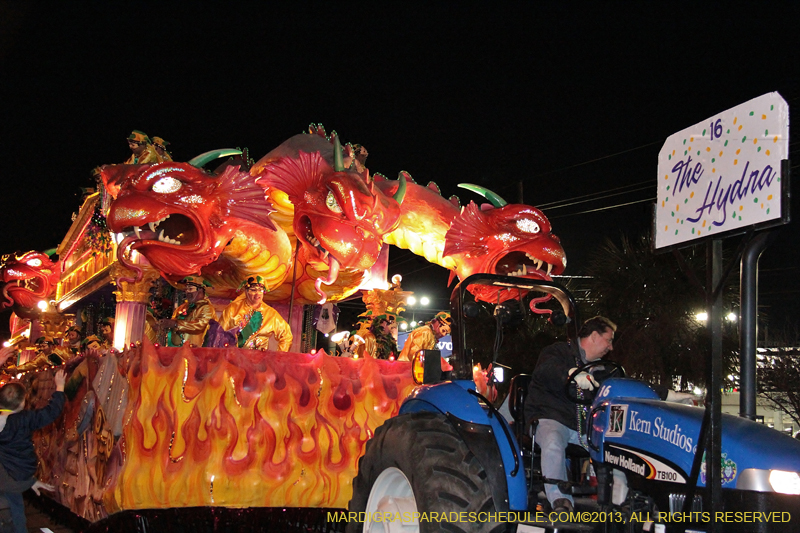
(253,321)
(189,322)
(106,330)
(45,356)
(73,339)
(143,151)
(161,149)
(426,337)
(381,340)
(556,416)
(92,342)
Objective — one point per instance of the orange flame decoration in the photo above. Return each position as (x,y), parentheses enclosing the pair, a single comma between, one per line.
(243,428)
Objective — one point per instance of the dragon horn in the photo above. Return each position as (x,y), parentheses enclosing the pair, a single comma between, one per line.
(338,161)
(494,198)
(207,157)
(401,189)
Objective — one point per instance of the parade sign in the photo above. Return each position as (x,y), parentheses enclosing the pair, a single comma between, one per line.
(724,174)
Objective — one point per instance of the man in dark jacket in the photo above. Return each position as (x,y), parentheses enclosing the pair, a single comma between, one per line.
(549,403)
(558,414)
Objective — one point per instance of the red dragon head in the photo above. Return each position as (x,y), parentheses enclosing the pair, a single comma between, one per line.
(507,239)
(339,219)
(180,217)
(27,279)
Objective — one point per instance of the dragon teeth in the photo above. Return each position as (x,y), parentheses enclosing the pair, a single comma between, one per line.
(152,226)
(136,230)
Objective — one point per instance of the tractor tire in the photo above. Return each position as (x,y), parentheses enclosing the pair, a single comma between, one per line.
(418,463)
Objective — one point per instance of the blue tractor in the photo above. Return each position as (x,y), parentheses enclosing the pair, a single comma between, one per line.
(450,461)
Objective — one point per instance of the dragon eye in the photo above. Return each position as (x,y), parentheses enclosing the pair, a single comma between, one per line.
(332,204)
(166,185)
(526,225)
(34,262)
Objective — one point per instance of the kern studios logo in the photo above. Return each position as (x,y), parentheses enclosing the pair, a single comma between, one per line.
(616,420)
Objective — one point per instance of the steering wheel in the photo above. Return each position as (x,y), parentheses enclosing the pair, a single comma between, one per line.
(617,371)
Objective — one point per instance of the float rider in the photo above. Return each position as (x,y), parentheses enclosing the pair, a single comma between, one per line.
(253,321)
(381,340)
(106,330)
(73,338)
(189,322)
(426,337)
(45,356)
(143,151)
(161,149)
(92,342)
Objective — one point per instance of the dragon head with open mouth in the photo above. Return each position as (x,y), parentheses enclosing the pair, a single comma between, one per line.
(506,239)
(27,279)
(339,218)
(180,217)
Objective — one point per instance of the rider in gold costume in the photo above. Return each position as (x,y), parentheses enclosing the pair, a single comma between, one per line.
(254,321)
(425,337)
(190,320)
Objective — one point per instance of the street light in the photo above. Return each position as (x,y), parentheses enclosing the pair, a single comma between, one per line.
(412,302)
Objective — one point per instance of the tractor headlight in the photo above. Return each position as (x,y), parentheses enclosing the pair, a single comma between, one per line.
(784,482)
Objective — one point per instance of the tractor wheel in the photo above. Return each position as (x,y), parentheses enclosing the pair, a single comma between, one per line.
(417,463)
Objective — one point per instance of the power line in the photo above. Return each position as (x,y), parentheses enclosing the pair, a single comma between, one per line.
(597,159)
(595,197)
(604,208)
(641,185)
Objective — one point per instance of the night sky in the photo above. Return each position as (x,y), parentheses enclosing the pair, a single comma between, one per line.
(568,101)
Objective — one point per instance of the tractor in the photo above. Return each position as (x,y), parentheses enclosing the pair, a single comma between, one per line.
(452,461)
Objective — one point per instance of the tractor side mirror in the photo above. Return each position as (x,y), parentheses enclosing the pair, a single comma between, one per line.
(427,367)
(471,310)
(558,318)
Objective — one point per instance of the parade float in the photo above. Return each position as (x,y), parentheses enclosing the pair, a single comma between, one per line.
(150,429)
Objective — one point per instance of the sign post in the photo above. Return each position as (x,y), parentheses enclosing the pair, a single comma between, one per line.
(725,175)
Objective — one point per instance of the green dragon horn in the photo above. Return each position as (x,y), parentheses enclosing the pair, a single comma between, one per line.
(401,189)
(338,160)
(494,198)
(201,160)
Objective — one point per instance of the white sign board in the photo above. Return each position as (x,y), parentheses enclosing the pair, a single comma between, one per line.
(724,173)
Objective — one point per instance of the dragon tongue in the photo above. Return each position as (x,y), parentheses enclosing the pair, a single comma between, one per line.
(333,273)
(126,243)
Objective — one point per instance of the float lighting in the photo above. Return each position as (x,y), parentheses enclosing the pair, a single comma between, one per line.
(339,337)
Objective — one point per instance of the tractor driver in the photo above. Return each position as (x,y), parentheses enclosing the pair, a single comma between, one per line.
(557,414)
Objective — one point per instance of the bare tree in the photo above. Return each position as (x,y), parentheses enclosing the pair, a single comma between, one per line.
(654,303)
(779,374)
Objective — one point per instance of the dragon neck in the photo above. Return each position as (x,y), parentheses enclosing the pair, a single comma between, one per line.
(424,220)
